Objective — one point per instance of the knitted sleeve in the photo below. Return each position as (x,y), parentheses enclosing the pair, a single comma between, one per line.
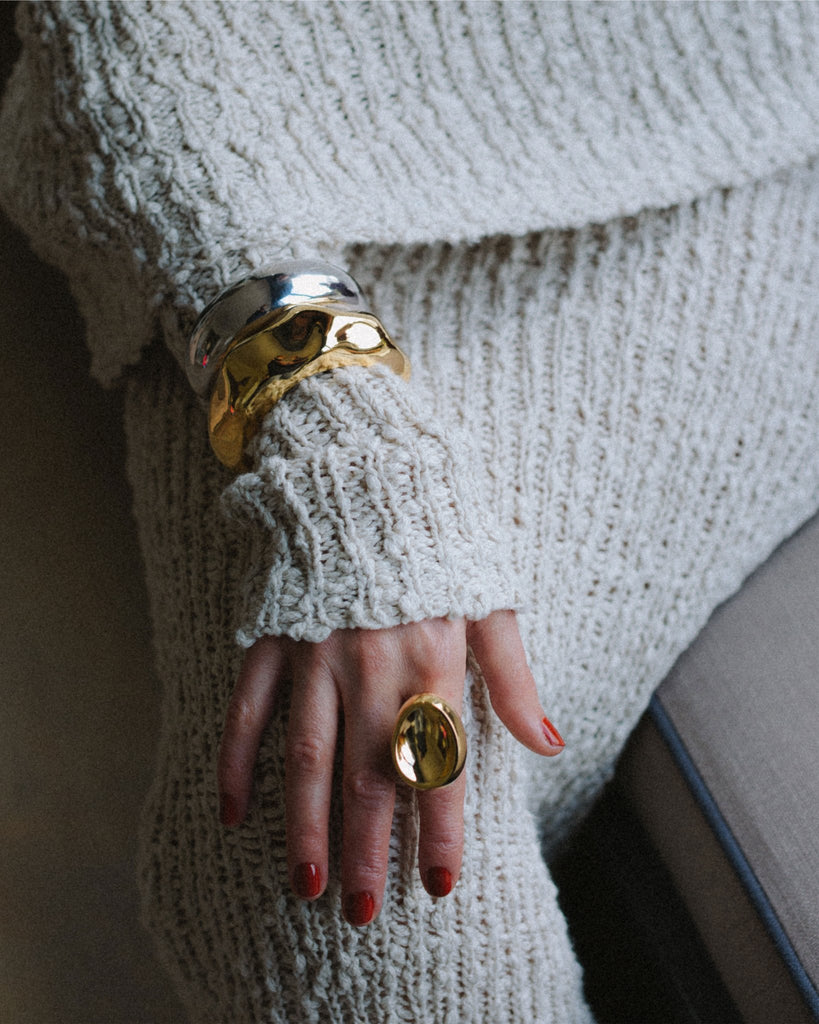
(157,152)
(364,514)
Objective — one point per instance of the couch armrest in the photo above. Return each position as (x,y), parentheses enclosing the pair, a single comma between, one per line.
(723,775)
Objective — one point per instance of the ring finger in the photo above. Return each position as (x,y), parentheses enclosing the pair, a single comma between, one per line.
(441,843)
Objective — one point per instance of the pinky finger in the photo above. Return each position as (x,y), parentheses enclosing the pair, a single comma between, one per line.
(247,716)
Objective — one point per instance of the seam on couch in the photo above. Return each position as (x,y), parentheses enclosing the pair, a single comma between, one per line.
(735,854)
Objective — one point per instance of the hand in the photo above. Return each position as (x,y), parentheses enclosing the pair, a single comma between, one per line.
(365,675)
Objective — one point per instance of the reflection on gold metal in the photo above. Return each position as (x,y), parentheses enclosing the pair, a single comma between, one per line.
(276,353)
(428,742)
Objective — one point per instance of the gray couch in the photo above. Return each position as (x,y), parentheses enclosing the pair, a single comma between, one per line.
(693,889)
(724,776)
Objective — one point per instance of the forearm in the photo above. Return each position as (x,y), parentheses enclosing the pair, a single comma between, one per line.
(364,514)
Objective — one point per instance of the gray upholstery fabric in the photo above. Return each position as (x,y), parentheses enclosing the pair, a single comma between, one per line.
(743,700)
(731,930)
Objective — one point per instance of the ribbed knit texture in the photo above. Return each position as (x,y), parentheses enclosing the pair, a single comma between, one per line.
(223,136)
(637,394)
(366,514)
(658,442)
(655,438)
(240,945)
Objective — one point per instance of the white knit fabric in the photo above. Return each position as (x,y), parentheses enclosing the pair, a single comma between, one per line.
(612,418)
(367,518)
(175,147)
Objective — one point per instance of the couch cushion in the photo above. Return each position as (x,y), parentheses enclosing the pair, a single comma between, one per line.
(724,775)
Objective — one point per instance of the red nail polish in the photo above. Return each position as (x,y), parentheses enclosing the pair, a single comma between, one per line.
(551,734)
(359,908)
(439,882)
(306,881)
(228,811)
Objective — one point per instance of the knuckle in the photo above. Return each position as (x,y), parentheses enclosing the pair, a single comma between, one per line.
(366,788)
(445,848)
(430,676)
(307,755)
(305,835)
(242,717)
(439,653)
(316,659)
(373,659)
(369,870)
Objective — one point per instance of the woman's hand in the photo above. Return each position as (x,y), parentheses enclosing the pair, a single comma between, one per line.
(365,676)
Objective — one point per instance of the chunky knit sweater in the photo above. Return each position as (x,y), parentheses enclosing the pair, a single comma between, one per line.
(594,230)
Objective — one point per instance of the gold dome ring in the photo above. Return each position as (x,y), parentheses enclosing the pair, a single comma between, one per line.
(428,742)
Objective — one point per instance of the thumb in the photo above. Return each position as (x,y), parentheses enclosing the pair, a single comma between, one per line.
(498,649)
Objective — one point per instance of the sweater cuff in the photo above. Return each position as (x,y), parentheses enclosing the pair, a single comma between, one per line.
(363,514)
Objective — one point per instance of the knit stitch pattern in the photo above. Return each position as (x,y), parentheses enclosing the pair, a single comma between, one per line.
(593,229)
(158,152)
(658,443)
(656,439)
(239,944)
(366,515)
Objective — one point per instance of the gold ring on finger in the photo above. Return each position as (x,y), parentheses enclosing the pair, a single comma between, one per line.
(428,742)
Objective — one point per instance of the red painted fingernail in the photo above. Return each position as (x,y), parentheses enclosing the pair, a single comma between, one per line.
(359,908)
(228,811)
(439,882)
(551,734)
(307,881)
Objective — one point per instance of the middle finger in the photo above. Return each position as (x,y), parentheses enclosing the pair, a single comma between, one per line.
(369,801)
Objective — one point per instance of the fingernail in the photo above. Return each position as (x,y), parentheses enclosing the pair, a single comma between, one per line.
(306,881)
(551,734)
(358,908)
(228,811)
(439,882)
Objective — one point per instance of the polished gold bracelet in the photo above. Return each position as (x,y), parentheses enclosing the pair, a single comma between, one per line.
(262,336)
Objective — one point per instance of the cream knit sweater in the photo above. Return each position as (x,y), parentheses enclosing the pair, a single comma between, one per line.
(594,230)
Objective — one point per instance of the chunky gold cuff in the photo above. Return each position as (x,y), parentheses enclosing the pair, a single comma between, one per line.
(259,338)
